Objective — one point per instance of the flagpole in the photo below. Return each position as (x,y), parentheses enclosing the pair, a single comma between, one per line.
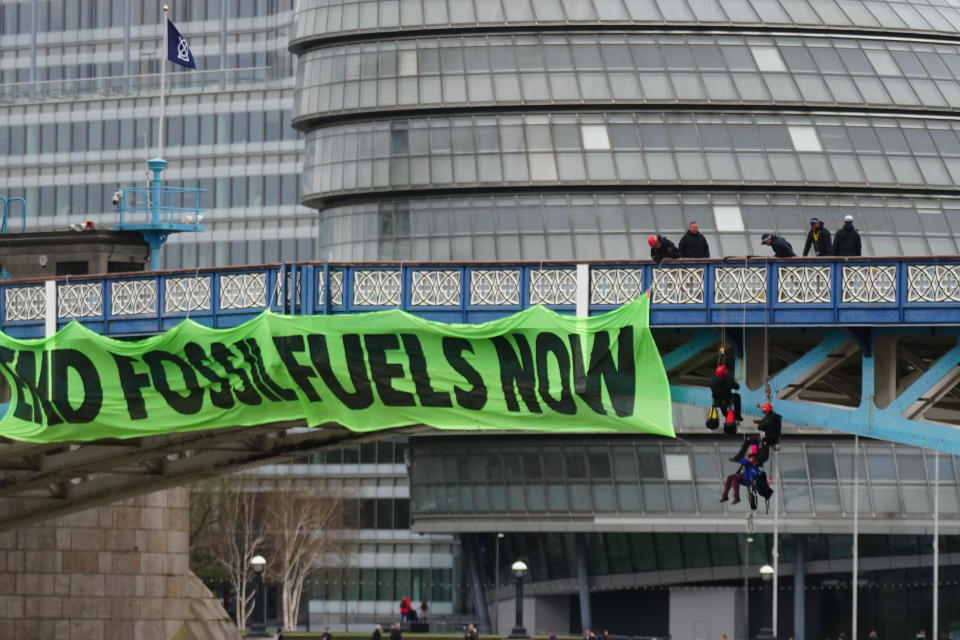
(163,78)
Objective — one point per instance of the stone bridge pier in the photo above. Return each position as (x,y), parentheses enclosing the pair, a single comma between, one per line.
(114,572)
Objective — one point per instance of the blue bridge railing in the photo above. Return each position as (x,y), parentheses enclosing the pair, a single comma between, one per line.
(753,292)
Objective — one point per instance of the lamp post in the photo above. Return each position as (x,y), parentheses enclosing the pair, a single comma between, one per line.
(766,572)
(496,587)
(258,627)
(519,569)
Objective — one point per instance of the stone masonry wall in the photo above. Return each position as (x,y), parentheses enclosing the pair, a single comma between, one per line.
(117,572)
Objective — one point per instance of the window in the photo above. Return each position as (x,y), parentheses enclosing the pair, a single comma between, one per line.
(677,467)
(595,137)
(728,218)
(805,139)
(768,59)
(407,63)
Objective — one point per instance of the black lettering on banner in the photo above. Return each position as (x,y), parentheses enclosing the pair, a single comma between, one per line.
(287,346)
(63,361)
(362,395)
(26,369)
(28,406)
(547,344)
(621,382)
(429,397)
(132,382)
(268,387)
(517,371)
(221,396)
(382,372)
(29,403)
(187,404)
(246,392)
(476,396)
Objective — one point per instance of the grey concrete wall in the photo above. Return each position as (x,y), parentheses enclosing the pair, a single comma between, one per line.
(115,572)
(705,615)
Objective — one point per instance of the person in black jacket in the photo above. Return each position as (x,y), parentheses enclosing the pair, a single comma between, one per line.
(660,248)
(770,427)
(819,238)
(846,242)
(693,244)
(396,633)
(722,388)
(781,248)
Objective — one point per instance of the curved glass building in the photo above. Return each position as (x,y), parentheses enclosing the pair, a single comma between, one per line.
(572,129)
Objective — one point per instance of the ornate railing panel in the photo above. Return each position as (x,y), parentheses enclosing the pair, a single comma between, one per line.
(243,291)
(133,297)
(804,285)
(553,286)
(740,285)
(80,300)
(379,288)
(615,286)
(435,288)
(336,288)
(24,303)
(869,284)
(495,287)
(186,294)
(682,285)
(933,283)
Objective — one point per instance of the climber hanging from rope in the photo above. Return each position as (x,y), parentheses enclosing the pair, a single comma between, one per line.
(769,426)
(726,401)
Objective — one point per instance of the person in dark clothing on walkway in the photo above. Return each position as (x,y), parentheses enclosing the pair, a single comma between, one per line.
(819,238)
(660,248)
(396,633)
(722,388)
(846,242)
(377,633)
(781,248)
(693,244)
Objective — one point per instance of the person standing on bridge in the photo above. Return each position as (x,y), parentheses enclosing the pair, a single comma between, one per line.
(781,248)
(661,247)
(819,238)
(693,244)
(846,242)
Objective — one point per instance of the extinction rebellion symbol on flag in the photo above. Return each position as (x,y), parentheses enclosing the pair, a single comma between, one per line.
(178,50)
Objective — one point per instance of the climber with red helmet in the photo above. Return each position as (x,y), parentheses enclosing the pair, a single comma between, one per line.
(727,402)
(770,426)
(745,475)
(661,247)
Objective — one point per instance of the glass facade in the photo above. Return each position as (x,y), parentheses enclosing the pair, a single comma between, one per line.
(476,141)
(79,89)
(385,560)
(547,478)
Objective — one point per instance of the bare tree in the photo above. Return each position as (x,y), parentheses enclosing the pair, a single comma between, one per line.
(300,523)
(229,527)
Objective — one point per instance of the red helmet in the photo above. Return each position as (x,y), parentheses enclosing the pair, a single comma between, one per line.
(652,241)
(721,371)
(766,407)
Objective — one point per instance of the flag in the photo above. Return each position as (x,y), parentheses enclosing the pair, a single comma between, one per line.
(177,49)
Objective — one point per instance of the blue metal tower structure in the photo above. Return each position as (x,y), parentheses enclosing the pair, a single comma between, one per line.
(157,210)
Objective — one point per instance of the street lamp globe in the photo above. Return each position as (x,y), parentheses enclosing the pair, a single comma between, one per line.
(766,572)
(519,569)
(258,563)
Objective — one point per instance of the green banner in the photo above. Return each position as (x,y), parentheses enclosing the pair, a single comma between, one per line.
(536,370)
